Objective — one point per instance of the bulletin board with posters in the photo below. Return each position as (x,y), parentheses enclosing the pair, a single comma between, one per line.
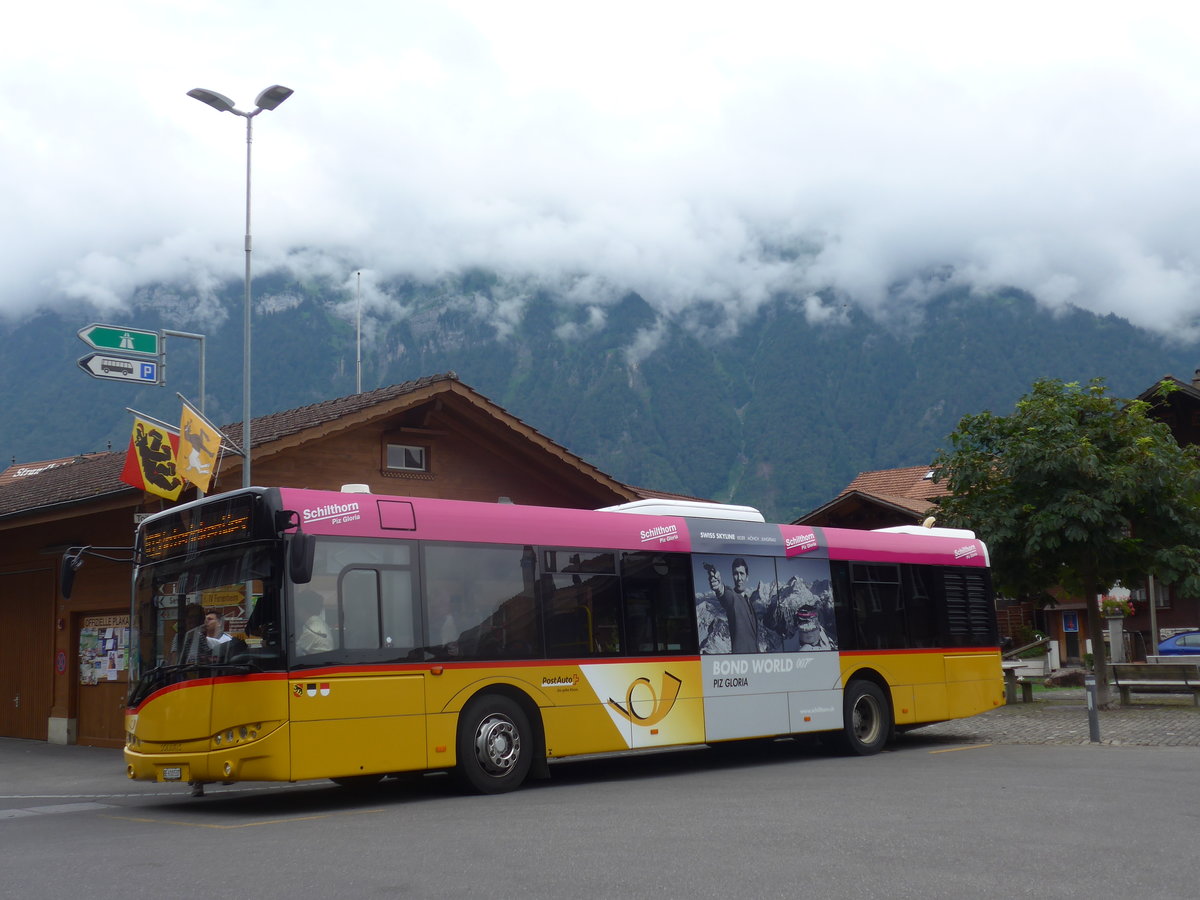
(103,649)
(103,679)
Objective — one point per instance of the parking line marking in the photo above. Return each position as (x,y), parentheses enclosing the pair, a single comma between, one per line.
(964,747)
(50,810)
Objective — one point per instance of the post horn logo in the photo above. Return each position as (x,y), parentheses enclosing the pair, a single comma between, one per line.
(660,705)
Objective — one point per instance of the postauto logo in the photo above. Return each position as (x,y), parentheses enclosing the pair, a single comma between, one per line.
(659,704)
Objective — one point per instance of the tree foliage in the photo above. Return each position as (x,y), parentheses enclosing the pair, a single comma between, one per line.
(1076,489)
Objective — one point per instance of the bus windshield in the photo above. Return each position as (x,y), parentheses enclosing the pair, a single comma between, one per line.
(197,617)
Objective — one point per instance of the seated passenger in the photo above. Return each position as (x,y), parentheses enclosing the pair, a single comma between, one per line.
(187,635)
(314,636)
(444,630)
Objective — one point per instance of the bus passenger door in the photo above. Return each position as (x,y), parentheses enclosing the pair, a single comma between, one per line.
(362,713)
(351,724)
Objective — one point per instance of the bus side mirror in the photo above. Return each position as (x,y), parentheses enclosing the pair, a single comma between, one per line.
(301,551)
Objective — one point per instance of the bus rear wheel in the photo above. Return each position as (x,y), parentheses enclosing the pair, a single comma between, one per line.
(495,745)
(867,719)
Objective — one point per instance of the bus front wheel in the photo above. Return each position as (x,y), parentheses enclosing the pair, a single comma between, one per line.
(495,745)
(867,719)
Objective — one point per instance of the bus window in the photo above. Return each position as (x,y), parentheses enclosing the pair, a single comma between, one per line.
(313,632)
(922,613)
(878,608)
(581,603)
(396,604)
(490,595)
(361,622)
(366,599)
(583,615)
(658,606)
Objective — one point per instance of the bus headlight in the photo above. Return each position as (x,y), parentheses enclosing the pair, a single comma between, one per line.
(239,734)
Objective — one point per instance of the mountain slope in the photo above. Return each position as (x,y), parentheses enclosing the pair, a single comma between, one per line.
(772,411)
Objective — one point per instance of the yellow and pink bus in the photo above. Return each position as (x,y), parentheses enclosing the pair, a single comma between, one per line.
(282,635)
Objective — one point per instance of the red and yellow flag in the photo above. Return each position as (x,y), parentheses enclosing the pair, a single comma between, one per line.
(199,444)
(150,460)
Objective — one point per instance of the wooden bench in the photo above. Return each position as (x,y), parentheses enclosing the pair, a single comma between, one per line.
(1176,678)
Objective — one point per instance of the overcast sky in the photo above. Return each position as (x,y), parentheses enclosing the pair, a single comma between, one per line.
(683,150)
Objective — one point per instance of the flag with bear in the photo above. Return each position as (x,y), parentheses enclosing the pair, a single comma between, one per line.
(150,460)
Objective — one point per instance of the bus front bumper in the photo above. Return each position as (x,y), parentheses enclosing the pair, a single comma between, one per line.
(264,759)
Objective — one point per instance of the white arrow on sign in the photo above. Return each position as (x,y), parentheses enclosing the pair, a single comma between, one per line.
(119,368)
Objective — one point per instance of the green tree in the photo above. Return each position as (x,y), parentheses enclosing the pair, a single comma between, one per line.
(1076,489)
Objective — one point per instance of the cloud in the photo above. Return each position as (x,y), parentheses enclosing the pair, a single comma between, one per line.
(685,152)
(645,342)
(575,331)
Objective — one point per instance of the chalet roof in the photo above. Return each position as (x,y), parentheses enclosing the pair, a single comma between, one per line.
(1188,389)
(912,485)
(651,494)
(909,492)
(40,487)
(18,471)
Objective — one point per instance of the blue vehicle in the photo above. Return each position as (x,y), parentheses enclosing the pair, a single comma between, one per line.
(1185,644)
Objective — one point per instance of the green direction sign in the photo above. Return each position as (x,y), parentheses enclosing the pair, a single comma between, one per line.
(123,340)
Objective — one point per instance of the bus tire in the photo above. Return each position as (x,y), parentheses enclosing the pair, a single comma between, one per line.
(495,745)
(867,719)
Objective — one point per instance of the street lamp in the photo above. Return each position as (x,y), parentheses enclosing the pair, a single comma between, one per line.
(268,99)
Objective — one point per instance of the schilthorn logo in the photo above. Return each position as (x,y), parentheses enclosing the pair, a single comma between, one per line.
(660,534)
(966,552)
(330,511)
(801,542)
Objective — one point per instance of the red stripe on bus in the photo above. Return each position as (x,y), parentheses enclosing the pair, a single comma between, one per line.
(402,668)
(940,651)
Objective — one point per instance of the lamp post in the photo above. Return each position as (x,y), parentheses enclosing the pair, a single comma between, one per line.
(268,99)
(358,335)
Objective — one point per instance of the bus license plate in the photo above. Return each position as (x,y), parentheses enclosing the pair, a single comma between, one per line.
(172,773)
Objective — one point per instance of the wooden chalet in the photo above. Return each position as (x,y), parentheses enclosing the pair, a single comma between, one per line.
(434,437)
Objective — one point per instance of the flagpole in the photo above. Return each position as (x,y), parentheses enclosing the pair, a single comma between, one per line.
(195,337)
(358,332)
(171,429)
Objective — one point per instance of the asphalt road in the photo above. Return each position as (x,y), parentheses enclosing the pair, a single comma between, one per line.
(931,817)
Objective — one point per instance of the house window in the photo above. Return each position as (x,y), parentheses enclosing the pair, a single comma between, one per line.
(1162,595)
(406,458)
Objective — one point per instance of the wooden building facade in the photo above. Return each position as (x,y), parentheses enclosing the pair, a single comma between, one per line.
(62,677)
